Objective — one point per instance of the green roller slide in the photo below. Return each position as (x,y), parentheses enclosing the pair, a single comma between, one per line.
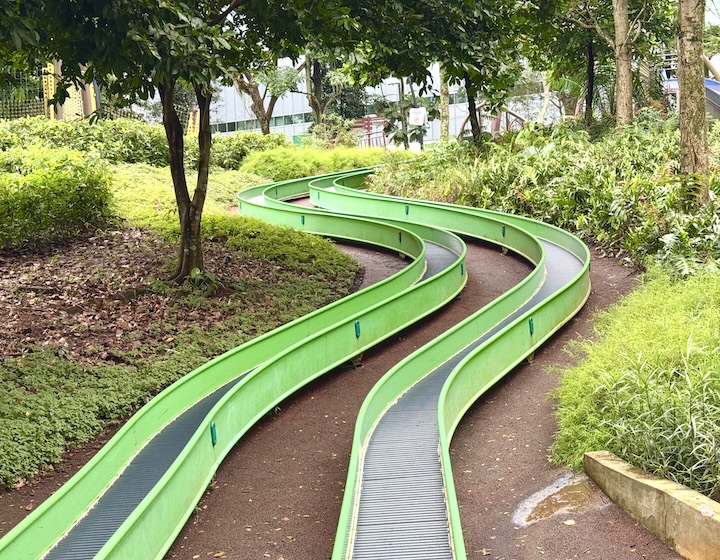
(134,496)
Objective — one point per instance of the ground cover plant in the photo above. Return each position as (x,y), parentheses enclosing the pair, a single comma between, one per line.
(92,331)
(649,388)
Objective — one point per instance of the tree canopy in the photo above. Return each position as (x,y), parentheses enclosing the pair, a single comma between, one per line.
(136,49)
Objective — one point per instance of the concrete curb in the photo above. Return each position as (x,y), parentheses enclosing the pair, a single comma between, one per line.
(688,521)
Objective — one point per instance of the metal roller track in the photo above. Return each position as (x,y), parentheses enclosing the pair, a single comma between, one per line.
(85,539)
(402,512)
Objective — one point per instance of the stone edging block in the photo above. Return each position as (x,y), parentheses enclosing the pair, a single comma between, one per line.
(685,519)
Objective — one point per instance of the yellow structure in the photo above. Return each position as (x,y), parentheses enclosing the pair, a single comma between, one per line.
(81,102)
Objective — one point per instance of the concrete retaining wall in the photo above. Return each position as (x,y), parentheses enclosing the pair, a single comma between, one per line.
(688,521)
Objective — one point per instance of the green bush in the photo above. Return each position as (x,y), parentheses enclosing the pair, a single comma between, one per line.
(649,388)
(620,191)
(281,164)
(131,140)
(229,151)
(121,140)
(50,195)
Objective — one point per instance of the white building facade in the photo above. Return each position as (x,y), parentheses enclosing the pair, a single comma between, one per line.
(292,115)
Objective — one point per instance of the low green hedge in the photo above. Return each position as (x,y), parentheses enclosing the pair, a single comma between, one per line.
(121,140)
(229,150)
(281,164)
(51,195)
(130,140)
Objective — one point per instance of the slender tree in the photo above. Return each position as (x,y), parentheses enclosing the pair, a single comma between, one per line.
(444,104)
(264,87)
(138,47)
(691,74)
(590,87)
(623,63)
(630,26)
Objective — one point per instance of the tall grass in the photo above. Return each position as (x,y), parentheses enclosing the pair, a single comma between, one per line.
(649,388)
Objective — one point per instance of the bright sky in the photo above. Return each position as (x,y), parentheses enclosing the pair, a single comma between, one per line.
(712,12)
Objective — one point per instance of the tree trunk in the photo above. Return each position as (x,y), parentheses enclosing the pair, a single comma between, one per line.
(403,114)
(578,107)
(623,68)
(257,102)
(189,211)
(590,92)
(546,101)
(472,109)
(444,104)
(313,88)
(691,83)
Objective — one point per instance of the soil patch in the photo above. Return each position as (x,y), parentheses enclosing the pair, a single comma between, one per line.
(95,298)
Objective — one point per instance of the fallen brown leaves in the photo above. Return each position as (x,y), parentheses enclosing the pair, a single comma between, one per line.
(90,298)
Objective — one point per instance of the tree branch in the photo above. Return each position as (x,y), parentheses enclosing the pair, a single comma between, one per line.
(231,7)
(593,25)
(635,26)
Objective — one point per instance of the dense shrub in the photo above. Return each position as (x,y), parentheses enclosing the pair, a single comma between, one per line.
(50,195)
(649,388)
(229,151)
(131,140)
(282,164)
(121,140)
(621,191)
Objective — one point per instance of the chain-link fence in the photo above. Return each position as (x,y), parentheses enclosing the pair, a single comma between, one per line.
(21,95)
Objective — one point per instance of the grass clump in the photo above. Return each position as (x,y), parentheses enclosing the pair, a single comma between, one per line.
(281,164)
(50,195)
(649,388)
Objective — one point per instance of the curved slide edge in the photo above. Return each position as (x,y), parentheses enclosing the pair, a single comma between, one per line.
(486,364)
(50,521)
(262,389)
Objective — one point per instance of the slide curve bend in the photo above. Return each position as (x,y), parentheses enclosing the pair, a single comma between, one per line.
(126,503)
